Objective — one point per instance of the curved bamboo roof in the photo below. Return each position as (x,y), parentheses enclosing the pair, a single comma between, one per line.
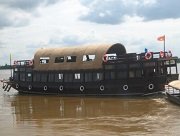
(78,51)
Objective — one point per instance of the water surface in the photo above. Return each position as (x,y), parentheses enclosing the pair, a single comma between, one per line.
(38,115)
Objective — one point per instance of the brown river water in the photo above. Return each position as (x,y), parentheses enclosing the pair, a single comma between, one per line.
(38,115)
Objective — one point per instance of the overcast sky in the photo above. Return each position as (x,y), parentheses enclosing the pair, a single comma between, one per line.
(26,25)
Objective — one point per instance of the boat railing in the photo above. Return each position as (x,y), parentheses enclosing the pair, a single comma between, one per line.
(172,90)
(22,63)
(6,84)
(145,56)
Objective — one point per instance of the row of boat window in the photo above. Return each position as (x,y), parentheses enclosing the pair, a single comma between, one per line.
(109,67)
(61,59)
(75,77)
(85,58)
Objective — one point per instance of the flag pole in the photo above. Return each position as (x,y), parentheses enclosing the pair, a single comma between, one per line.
(164,46)
(10,64)
(163,38)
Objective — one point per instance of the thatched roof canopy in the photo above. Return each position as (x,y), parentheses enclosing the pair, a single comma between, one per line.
(175,84)
(78,52)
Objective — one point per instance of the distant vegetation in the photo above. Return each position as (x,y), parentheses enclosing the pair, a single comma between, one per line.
(178,61)
(6,67)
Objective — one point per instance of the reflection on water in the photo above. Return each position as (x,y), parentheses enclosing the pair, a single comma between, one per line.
(54,115)
(90,116)
(50,107)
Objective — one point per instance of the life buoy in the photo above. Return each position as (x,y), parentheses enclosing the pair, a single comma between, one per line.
(105,58)
(45,88)
(125,87)
(30,62)
(17,86)
(169,54)
(15,62)
(151,86)
(81,88)
(101,87)
(161,54)
(61,88)
(148,55)
(30,87)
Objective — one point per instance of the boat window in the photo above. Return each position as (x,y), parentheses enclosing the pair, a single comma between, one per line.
(170,62)
(156,55)
(59,60)
(59,77)
(51,77)
(162,71)
(171,70)
(97,76)
(28,77)
(122,66)
(68,77)
(77,76)
(22,69)
(22,76)
(135,73)
(88,77)
(138,73)
(44,77)
(109,75)
(36,77)
(111,56)
(71,58)
(167,62)
(150,72)
(109,66)
(122,75)
(135,65)
(89,57)
(149,64)
(131,74)
(16,69)
(16,76)
(28,69)
(44,60)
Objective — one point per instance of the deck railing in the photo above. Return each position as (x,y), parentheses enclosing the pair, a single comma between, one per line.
(23,63)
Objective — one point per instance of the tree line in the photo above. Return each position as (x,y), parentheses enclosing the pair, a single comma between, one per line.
(6,66)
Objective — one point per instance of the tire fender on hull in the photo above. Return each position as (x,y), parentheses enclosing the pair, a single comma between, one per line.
(61,88)
(101,87)
(17,86)
(30,87)
(81,88)
(125,87)
(151,86)
(45,88)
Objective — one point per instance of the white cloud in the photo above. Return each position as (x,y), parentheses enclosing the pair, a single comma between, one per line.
(146,9)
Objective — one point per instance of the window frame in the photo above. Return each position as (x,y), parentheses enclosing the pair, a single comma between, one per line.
(71,58)
(44,60)
(59,59)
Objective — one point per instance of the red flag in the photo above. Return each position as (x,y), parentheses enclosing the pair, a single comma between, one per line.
(161,38)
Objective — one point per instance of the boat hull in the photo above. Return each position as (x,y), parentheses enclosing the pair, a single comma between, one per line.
(174,98)
(90,89)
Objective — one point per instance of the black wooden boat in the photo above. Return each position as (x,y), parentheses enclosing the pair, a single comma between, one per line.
(94,70)
(173,92)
